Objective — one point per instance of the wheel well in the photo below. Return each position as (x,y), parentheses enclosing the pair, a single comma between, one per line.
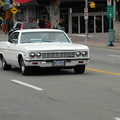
(19,58)
(1,55)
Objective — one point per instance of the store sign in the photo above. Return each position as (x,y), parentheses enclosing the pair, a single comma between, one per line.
(23,1)
(7,7)
(2,3)
(7,2)
(14,10)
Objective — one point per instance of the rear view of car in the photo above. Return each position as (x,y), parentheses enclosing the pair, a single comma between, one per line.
(29,26)
(23,25)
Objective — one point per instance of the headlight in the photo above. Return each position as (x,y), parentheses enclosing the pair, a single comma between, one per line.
(38,54)
(84,53)
(32,54)
(78,53)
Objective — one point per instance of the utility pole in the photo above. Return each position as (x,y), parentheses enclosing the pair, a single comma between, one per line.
(86,20)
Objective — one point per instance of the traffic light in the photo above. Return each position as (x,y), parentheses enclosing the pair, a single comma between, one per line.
(92,5)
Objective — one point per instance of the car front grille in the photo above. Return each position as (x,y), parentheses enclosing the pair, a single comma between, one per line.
(59,55)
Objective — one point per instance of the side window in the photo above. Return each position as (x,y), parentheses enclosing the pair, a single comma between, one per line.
(14,38)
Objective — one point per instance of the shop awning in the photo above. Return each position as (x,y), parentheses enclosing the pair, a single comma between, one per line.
(23,1)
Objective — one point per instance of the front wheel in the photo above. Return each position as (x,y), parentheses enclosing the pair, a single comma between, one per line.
(79,69)
(24,69)
(5,66)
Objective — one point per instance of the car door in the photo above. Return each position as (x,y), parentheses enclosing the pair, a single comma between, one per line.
(12,49)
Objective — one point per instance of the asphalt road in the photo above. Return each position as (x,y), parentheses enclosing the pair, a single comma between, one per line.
(48,95)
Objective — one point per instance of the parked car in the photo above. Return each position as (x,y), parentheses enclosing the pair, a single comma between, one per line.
(43,48)
(23,25)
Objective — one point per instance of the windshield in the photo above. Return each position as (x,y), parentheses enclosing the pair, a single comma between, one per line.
(34,37)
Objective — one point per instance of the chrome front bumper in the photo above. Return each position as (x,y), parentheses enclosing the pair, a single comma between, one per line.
(57,62)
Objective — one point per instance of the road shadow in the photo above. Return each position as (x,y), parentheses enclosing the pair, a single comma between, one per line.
(46,71)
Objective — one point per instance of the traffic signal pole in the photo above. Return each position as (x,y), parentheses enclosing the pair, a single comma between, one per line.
(86,22)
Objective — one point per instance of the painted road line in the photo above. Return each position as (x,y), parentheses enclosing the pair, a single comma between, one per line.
(117,118)
(113,55)
(25,84)
(103,71)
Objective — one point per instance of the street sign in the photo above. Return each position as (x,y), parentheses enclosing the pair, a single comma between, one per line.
(86,10)
(109,2)
(110,11)
(85,16)
(14,10)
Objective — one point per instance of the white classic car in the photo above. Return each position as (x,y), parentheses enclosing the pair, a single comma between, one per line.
(43,48)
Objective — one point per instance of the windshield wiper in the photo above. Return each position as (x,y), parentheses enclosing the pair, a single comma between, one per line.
(48,41)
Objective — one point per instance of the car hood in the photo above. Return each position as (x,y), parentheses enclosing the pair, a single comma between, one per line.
(54,46)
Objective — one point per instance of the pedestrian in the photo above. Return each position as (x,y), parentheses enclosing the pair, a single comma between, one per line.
(41,23)
(2,25)
(1,22)
(37,21)
(56,24)
(48,25)
(11,23)
(6,25)
(62,24)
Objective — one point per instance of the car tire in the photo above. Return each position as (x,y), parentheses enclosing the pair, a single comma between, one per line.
(79,69)
(24,69)
(5,66)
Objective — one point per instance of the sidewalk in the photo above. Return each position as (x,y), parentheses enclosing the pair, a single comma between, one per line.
(3,37)
(99,40)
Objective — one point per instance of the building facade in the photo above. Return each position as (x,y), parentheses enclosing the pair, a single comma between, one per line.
(71,11)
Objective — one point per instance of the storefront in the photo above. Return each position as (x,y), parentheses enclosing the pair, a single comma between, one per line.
(73,15)
(26,11)
(98,22)
(71,11)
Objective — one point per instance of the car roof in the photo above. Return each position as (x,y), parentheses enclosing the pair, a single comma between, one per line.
(39,30)
(24,22)
(28,22)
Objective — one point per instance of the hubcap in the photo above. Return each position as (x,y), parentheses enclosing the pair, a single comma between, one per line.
(22,67)
(3,62)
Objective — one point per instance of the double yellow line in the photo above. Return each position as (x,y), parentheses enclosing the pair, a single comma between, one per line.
(102,71)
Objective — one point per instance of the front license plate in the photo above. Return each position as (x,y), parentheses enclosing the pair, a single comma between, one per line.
(58,63)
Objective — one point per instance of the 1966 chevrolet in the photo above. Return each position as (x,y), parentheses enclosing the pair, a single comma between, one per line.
(42,48)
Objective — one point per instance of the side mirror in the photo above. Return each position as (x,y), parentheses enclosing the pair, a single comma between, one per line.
(70,39)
